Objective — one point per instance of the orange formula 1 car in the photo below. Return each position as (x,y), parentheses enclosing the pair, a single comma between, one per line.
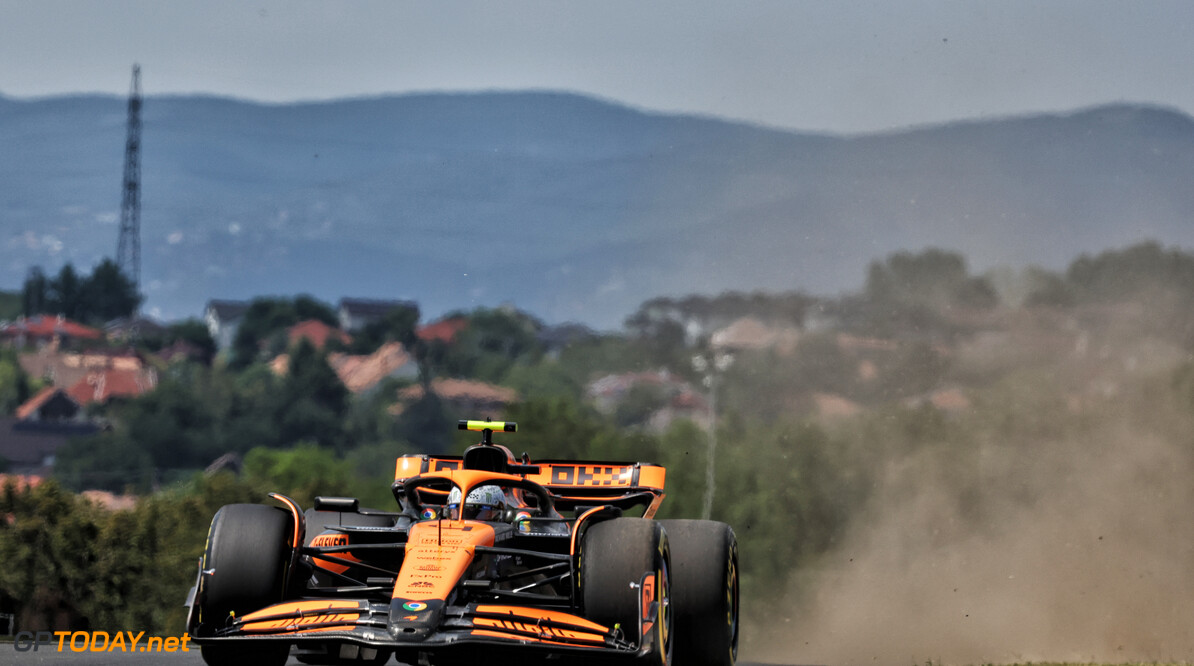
(489,559)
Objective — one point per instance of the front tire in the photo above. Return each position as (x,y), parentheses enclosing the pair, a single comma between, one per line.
(615,557)
(247,555)
(704,591)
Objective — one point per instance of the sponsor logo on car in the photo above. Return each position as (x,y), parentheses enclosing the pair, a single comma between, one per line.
(330,539)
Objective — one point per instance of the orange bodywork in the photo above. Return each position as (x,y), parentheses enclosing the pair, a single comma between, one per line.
(296,516)
(437,554)
(454,585)
(304,615)
(535,624)
(582,478)
(541,614)
(333,539)
(545,636)
(648,597)
(555,475)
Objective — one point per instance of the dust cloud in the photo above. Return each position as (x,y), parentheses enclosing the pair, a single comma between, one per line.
(1075,550)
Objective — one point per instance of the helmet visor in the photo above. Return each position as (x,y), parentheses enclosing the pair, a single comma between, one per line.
(474,512)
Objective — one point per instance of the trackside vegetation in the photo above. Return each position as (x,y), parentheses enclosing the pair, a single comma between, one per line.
(814,432)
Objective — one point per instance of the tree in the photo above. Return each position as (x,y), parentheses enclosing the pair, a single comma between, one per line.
(14,383)
(192,331)
(308,307)
(1156,279)
(560,428)
(397,325)
(47,544)
(1048,289)
(493,341)
(104,295)
(933,278)
(640,402)
(11,305)
(1118,274)
(312,402)
(66,296)
(264,317)
(35,295)
(427,424)
(106,461)
(108,294)
(259,333)
(302,473)
(193,416)
(544,379)
(661,339)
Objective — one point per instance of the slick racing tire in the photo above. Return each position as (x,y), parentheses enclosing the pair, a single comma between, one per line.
(615,556)
(248,552)
(704,591)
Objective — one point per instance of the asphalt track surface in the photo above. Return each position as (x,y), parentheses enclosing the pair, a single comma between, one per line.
(9,655)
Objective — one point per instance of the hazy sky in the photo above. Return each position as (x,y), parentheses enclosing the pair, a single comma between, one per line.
(862,65)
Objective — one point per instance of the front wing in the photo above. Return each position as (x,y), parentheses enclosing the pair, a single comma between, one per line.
(369,625)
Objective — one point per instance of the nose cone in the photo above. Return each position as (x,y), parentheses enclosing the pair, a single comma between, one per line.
(414,620)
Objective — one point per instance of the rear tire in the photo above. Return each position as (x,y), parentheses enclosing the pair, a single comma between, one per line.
(704,591)
(248,551)
(614,557)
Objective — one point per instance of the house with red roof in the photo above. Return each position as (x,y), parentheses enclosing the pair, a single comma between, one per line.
(751,333)
(465,396)
(42,330)
(101,386)
(49,404)
(444,330)
(362,373)
(83,374)
(316,332)
(51,417)
(678,399)
(41,426)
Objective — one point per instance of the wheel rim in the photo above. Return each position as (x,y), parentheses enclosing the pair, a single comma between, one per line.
(732,601)
(664,621)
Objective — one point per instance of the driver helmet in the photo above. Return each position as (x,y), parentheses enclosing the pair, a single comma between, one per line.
(483,503)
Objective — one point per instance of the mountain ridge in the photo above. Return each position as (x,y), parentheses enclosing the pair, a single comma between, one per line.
(572,207)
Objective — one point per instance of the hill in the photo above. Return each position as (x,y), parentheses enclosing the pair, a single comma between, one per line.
(570,207)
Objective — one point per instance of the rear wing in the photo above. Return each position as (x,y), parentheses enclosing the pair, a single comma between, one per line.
(572,483)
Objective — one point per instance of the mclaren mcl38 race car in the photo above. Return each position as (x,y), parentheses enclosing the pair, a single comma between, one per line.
(488,559)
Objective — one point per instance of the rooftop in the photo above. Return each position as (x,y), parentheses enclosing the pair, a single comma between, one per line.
(316,332)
